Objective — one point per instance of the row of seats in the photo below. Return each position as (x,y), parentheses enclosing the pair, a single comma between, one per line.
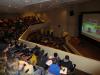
(20,59)
(47,39)
(12,28)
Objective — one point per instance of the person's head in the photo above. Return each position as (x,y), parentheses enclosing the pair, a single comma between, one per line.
(55,54)
(42,51)
(66,57)
(46,54)
(25,45)
(21,44)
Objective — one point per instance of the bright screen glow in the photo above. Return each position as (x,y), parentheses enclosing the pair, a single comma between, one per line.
(91,26)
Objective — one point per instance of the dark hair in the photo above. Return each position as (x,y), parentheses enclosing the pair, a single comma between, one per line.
(25,45)
(21,44)
(66,57)
(42,51)
(46,54)
(55,54)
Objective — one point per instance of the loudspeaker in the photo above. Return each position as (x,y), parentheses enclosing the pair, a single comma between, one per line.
(71,13)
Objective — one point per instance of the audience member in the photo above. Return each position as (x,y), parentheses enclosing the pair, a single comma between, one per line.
(54,69)
(43,60)
(33,60)
(56,57)
(66,62)
(12,28)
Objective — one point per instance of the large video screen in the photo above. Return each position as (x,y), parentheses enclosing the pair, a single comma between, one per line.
(91,26)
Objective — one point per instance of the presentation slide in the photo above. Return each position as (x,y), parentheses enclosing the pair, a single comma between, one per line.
(91,26)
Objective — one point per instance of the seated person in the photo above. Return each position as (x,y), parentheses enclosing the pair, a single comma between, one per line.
(39,71)
(49,61)
(33,60)
(12,66)
(42,61)
(25,68)
(67,63)
(54,69)
(26,51)
(28,69)
(56,58)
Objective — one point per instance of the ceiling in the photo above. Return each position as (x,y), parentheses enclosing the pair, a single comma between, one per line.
(16,5)
(19,3)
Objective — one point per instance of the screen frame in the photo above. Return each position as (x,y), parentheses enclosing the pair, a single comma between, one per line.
(80,19)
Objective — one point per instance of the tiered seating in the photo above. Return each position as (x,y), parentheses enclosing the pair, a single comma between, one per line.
(20,59)
(12,28)
(46,39)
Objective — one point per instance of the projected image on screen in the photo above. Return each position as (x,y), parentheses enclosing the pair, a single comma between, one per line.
(91,26)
